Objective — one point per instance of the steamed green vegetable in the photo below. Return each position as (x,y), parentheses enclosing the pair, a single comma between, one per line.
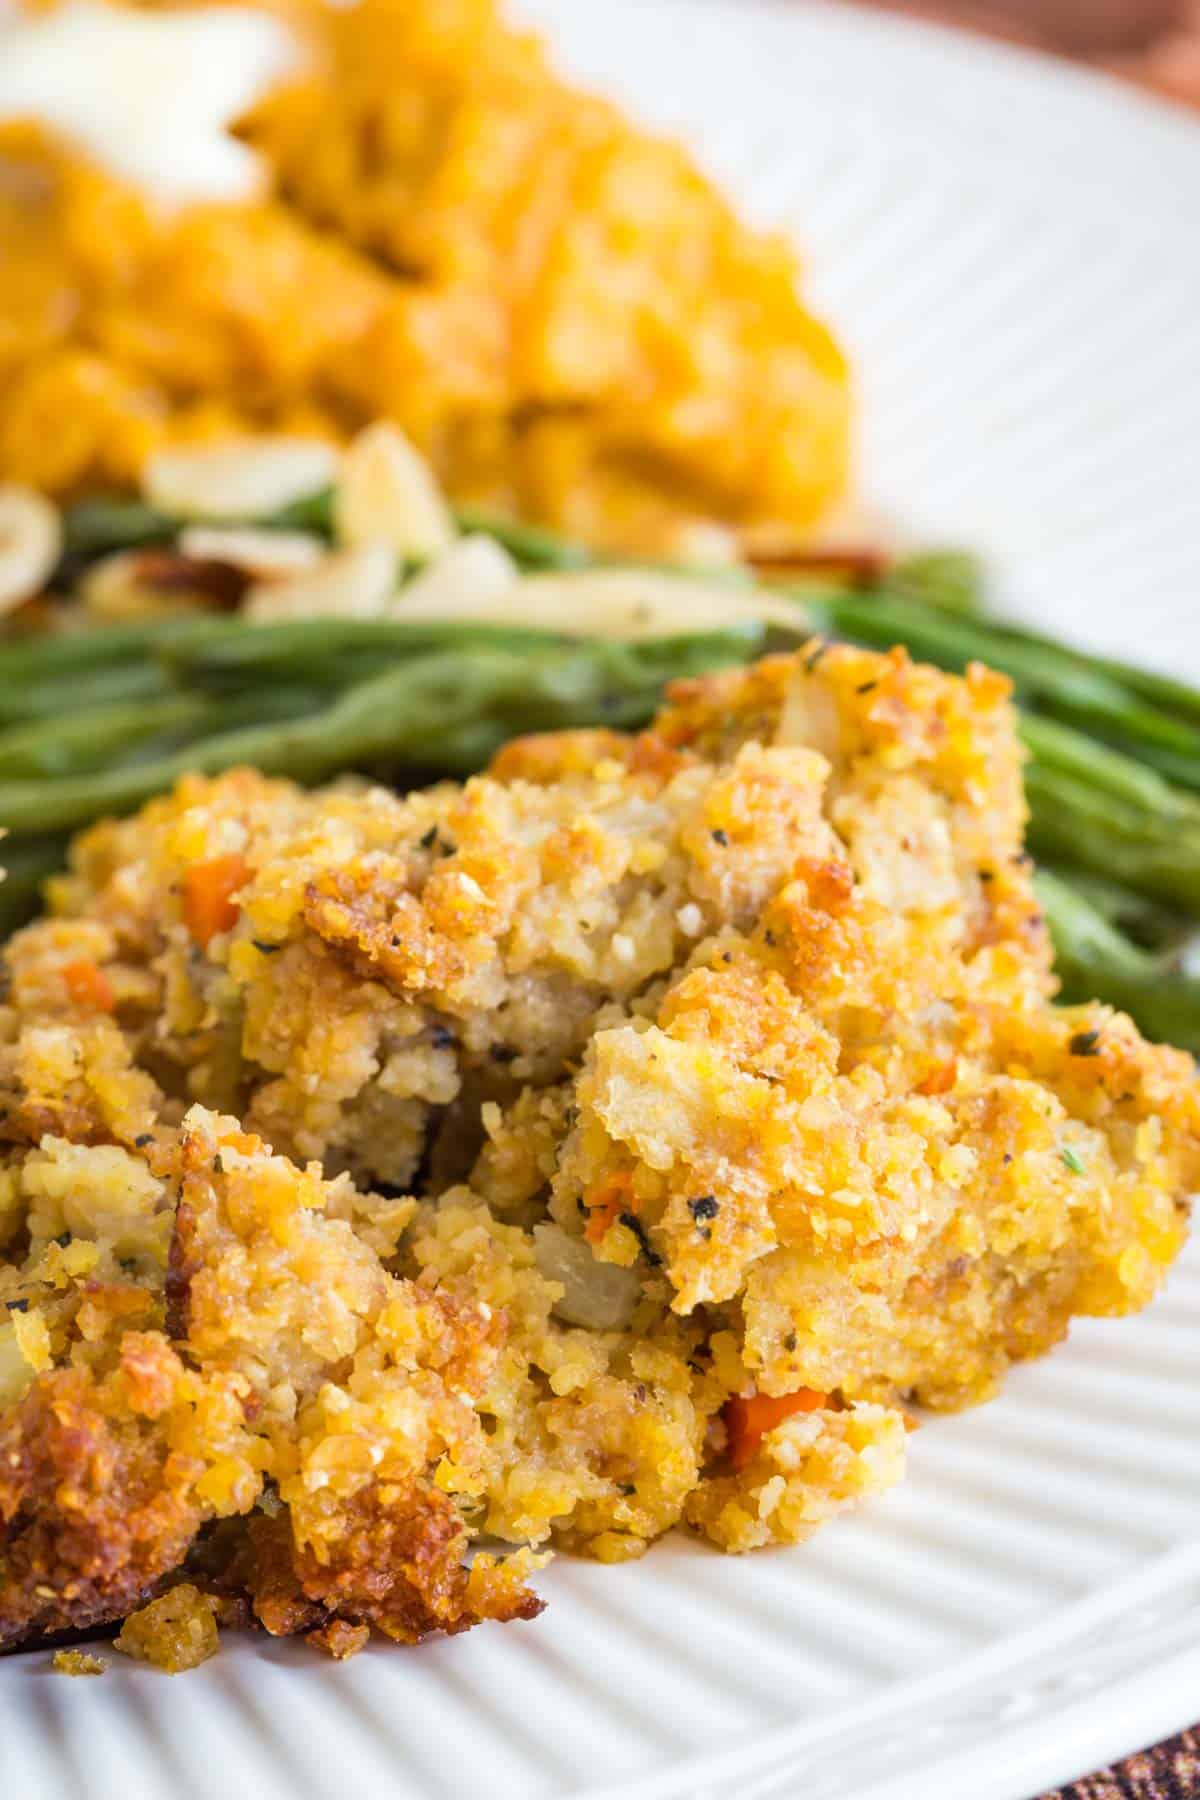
(434,683)
(96,720)
(1093,957)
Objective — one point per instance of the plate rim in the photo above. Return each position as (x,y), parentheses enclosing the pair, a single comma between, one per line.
(1159,1695)
(1134,1608)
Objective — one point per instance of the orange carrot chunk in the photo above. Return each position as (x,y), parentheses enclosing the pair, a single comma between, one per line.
(244,1141)
(208,890)
(606,1202)
(89,986)
(940,1078)
(749,1418)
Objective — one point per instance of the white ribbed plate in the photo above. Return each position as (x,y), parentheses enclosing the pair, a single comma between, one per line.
(1013,253)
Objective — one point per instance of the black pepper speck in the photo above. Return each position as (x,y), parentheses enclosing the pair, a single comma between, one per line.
(632,1223)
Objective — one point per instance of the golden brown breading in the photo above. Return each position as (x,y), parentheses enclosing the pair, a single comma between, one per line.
(297,1359)
(91,1517)
(862,1120)
(386,948)
(176,1631)
(360,1384)
(743,1118)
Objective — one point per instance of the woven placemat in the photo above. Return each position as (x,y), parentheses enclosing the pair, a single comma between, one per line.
(1169,1772)
(1155,43)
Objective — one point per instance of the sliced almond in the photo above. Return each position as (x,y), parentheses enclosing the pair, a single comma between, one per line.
(346,584)
(604,603)
(388,495)
(475,570)
(30,544)
(243,480)
(704,544)
(262,555)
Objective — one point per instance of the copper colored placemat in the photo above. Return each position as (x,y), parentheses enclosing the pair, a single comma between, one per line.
(1170,1772)
(1153,42)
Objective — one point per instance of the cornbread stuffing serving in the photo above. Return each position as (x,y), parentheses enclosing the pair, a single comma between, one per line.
(634,1125)
(624,1139)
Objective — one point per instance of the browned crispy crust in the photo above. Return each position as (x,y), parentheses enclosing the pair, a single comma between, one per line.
(397,1565)
(26,1122)
(89,1519)
(382,936)
(265,1568)
(182,1264)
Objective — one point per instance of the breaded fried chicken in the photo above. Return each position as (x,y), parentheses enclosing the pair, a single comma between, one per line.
(720,1111)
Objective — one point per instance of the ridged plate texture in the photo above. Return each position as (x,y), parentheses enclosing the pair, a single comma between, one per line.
(1012,252)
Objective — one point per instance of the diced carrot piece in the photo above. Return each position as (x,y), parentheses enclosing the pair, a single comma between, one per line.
(208,890)
(605,1204)
(89,986)
(749,1418)
(941,1078)
(244,1141)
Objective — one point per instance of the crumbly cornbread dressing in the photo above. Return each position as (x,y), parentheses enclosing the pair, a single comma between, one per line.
(620,1140)
(560,311)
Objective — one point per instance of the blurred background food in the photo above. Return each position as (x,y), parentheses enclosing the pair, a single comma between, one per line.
(560,310)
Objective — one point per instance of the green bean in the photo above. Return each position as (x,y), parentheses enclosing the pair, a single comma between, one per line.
(1039,669)
(88,737)
(113,522)
(951,580)
(105,523)
(363,723)
(313,512)
(342,652)
(239,647)
(1163,743)
(1092,957)
(461,750)
(1069,752)
(58,699)
(1076,823)
(400,713)
(26,863)
(225,713)
(1177,698)
(27,660)
(1146,923)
